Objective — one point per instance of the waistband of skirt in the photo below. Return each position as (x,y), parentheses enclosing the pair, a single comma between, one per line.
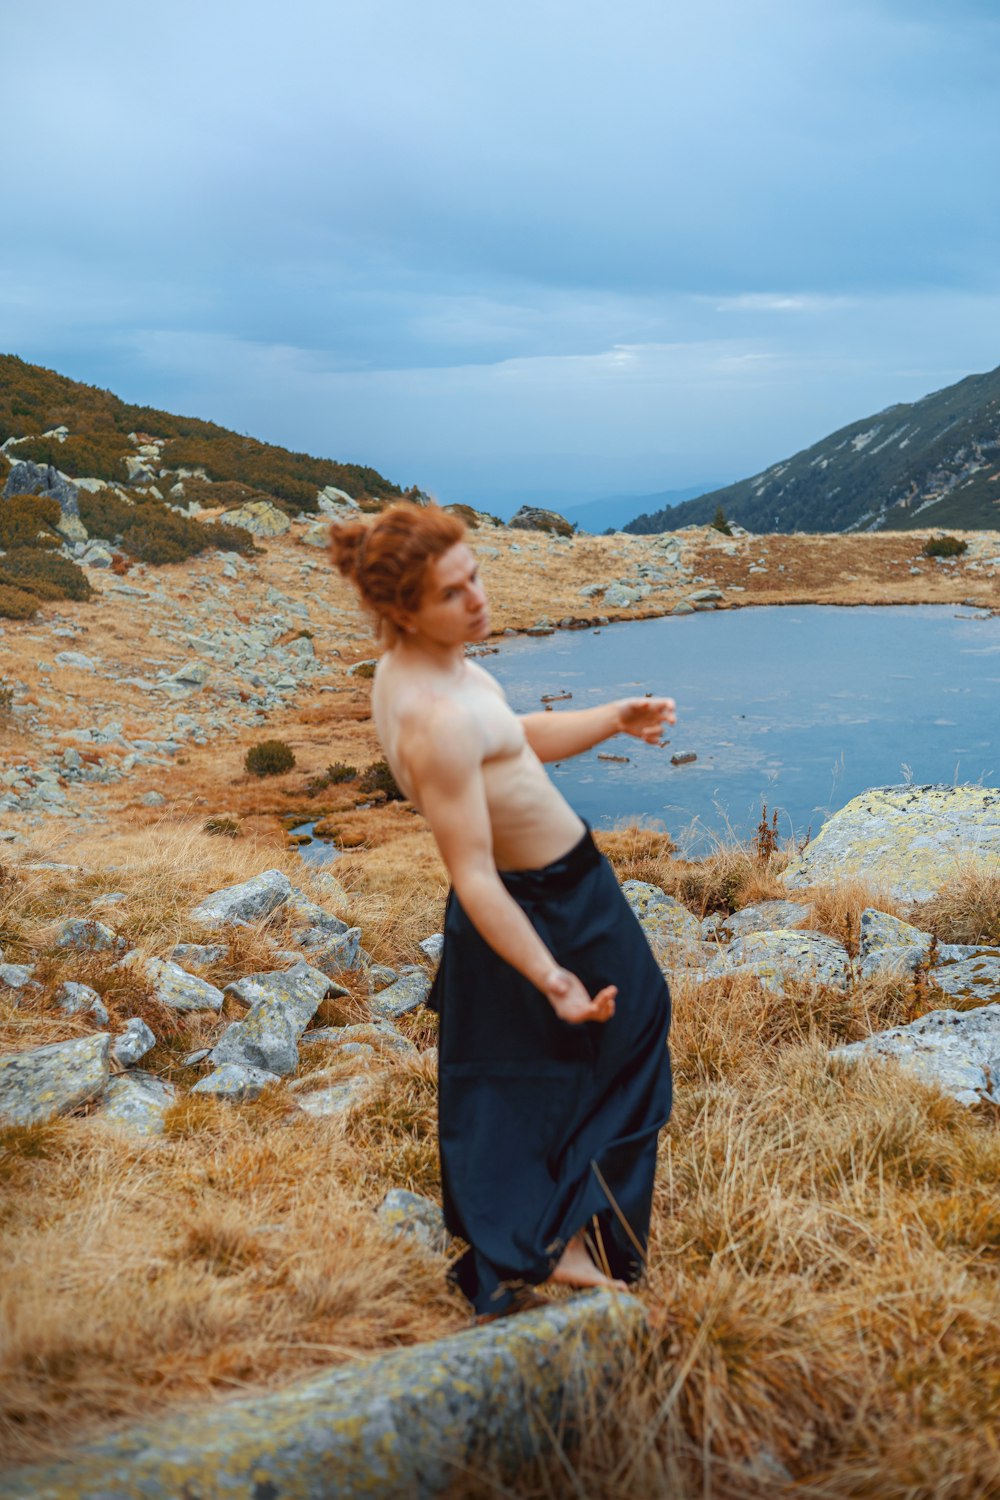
(561,875)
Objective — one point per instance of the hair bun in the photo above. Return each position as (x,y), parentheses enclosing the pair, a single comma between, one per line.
(347,545)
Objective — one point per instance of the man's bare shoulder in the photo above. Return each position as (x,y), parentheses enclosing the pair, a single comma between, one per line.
(485,679)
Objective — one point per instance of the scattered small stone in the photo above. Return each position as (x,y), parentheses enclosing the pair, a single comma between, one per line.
(377,1033)
(433,946)
(764,916)
(379,977)
(237,1081)
(198,955)
(51,1080)
(338,1099)
(76,999)
(18,976)
(683,758)
(340,954)
(411,1216)
(178,990)
(409,991)
(152,799)
(137,1102)
(133,1043)
(87,934)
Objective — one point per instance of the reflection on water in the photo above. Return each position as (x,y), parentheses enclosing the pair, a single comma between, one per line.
(802,707)
(315,851)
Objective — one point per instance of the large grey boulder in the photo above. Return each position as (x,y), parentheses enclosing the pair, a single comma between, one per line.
(410,990)
(908,839)
(661,916)
(259,517)
(51,1080)
(236,905)
(26,478)
(957,1050)
(782,957)
(282,1005)
(411,1423)
(137,1102)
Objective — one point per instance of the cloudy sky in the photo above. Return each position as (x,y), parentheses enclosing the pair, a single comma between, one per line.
(545,249)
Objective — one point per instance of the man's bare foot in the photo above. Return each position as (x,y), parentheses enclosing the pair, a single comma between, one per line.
(576,1268)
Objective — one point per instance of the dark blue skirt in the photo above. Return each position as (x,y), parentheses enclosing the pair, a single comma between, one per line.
(546,1128)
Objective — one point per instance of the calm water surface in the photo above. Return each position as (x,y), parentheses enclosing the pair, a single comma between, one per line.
(798,707)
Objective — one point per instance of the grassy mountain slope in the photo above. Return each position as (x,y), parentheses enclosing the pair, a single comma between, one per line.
(933,462)
(34,400)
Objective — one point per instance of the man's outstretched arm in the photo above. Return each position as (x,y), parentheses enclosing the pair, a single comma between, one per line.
(557,736)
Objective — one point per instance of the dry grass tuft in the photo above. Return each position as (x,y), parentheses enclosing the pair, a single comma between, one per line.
(966,909)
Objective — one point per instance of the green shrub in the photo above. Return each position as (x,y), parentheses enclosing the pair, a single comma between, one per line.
(99,455)
(40,572)
(15,604)
(334,775)
(153,533)
(945,546)
(6,697)
(365,669)
(29,521)
(378,781)
(269,758)
(720,523)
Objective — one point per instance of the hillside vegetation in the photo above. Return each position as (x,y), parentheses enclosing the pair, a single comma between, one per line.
(34,401)
(933,462)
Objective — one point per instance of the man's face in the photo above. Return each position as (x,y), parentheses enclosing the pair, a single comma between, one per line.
(453,607)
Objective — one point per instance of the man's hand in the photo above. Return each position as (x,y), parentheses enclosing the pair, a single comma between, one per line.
(571,1002)
(645,717)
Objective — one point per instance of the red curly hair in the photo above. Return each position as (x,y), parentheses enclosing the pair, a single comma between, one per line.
(387,559)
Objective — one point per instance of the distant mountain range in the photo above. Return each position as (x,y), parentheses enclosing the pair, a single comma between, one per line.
(928,463)
(615,510)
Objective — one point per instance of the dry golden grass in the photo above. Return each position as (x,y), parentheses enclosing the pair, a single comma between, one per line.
(967,908)
(823,1277)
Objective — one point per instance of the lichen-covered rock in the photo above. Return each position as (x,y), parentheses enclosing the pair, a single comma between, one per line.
(259,517)
(312,925)
(79,999)
(379,977)
(137,1102)
(338,955)
(765,916)
(890,945)
(178,990)
(236,1081)
(662,916)
(536,518)
(18,976)
(380,1034)
(337,1099)
(282,1005)
(412,1216)
(410,990)
(198,955)
(957,1050)
(780,957)
(908,839)
(133,1043)
(433,946)
(87,934)
(974,977)
(51,1080)
(412,1422)
(236,905)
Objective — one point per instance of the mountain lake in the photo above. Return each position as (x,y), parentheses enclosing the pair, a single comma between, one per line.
(798,707)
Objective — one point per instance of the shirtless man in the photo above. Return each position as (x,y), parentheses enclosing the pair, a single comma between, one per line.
(475,770)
